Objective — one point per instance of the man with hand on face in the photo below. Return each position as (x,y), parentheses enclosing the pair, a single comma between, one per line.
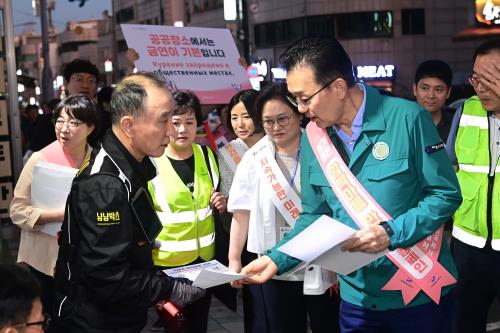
(374,163)
(105,279)
(474,148)
(432,87)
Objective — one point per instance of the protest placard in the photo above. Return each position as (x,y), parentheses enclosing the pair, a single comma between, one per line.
(204,60)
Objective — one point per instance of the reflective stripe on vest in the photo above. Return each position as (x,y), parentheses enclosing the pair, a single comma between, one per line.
(188,223)
(182,217)
(468,238)
(186,245)
(166,215)
(469,120)
(477,168)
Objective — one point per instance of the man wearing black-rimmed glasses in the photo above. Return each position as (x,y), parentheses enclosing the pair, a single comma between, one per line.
(474,148)
(81,77)
(21,309)
(389,155)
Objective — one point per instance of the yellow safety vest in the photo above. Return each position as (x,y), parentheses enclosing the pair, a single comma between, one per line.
(188,224)
(472,148)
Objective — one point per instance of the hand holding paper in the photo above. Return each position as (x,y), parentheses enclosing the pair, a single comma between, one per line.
(371,239)
(49,190)
(260,270)
(205,275)
(325,238)
(235,266)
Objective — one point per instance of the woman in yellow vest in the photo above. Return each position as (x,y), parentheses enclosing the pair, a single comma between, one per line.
(185,196)
(75,119)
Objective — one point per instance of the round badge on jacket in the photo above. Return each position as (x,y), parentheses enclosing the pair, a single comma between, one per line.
(380,151)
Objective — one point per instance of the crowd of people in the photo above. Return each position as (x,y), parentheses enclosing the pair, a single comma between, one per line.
(147,197)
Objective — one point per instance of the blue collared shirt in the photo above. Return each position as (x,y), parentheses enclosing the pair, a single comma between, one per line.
(357,124)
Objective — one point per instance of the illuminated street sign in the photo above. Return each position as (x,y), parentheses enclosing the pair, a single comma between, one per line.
(488,12)
(378,72)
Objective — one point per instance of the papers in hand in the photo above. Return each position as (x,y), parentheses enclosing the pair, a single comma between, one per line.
(205,275)
(49,190)
(321,243)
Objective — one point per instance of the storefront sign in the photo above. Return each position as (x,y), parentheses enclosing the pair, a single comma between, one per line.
(6,192)
(5,166)
(4,119)
(378,72)
(488,12)
(256,72)
(278,73)
(252,72)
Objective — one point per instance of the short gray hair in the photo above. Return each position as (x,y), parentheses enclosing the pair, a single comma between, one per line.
(129,94)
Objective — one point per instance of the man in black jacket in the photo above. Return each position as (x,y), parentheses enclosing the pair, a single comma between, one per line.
(105,279)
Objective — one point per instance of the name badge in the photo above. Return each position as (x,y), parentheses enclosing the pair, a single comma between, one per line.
(284,231)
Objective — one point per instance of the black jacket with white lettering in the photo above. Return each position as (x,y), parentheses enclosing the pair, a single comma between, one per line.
(105,279)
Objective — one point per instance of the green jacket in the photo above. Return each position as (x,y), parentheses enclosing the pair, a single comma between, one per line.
(418,189)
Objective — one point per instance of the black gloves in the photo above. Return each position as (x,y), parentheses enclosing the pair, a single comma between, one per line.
(184,294)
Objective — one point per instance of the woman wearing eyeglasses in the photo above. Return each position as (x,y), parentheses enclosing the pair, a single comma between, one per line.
(265,202)
(75,119)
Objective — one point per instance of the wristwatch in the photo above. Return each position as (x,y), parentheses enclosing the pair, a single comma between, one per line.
(387,228)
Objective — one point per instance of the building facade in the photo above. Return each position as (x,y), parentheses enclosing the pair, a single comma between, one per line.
(79,40)
(387,39)
(29,59)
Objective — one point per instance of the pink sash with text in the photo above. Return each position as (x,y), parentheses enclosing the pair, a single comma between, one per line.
(232,154)
(418,266)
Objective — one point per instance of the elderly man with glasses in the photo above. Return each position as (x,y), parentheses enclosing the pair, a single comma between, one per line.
(474,148)
(375,163)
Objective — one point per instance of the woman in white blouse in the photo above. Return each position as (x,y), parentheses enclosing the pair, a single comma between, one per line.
(75,119)
(242,122)
(265,202)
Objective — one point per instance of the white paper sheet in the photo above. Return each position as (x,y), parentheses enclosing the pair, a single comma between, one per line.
(51,228)
(345,262)
(321,243)
(205,275)
(49,190)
